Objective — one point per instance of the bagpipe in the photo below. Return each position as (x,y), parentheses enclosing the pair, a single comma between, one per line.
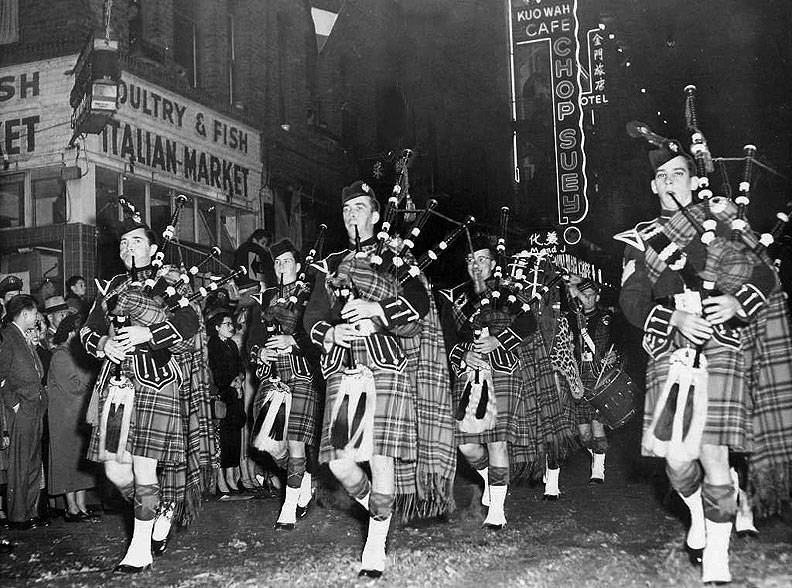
(271,422)
(165,290)
(302,293)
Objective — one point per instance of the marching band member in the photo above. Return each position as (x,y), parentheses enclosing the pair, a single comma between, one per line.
(141,425)
(383,393)
(285,355)
(489,387)
(593,341)
(661,268)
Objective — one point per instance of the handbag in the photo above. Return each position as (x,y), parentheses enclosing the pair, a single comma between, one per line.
(219,408)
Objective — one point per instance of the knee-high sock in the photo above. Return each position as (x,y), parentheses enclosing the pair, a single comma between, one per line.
(360,491)
(306,490)
(288,512)
(295,470)
(498,485)
(480,466)
(373,557)
(720,505)
(146,503)
(551,481)
(163,522)
(686,480)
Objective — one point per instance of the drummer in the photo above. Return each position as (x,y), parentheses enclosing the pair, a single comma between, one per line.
(591,346)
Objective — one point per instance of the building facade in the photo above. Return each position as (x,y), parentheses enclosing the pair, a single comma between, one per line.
(216,102)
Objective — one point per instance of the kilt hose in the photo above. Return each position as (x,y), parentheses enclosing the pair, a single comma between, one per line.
(394,417)
(155,426)
(304,417)
(727,395)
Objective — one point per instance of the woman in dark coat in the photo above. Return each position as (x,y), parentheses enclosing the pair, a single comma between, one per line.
(69,385)
(228,374)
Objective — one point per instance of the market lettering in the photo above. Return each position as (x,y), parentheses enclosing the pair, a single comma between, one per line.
(9,89)
(144,147)
(150,103)
(16,131)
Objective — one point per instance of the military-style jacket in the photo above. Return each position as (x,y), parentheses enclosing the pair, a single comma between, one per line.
(171,330)
(343,273)
(654,284)
(470,316)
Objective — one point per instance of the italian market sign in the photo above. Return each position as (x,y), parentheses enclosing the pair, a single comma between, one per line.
(200,149)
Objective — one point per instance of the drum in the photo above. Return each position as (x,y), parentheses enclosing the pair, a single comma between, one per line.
(613,397)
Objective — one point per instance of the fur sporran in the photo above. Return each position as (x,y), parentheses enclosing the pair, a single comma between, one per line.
(477,410)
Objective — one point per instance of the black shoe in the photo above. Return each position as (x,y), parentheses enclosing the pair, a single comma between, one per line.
(158,547)
(375,574)
(6,546)
(42,522)
(303,510)
(91,514)
(284,526)
(24,525)
(493,527)
(694,555)
(745,534)
(74,518)
(596,481)
(127,569)
(551,497)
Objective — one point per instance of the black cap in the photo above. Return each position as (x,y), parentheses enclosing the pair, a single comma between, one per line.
(10,284)
(129,224)
(281,247)
(356,189)
(481,241)
(588,284)
(671,148)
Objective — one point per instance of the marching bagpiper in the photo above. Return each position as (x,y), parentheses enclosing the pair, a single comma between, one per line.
(286,402)
(387,398)
(710,314)
(489,389)
(145,419)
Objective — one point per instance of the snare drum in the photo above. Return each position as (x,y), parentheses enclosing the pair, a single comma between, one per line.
(613,397)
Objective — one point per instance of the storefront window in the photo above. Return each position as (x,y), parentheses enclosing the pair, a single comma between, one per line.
(12,201)
(106,198)
(229,238)
(49,199)
(160,208)
(186,228)
(207,222)
(107,213)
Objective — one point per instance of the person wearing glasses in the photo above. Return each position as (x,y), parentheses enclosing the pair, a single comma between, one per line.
(228,374)
(489,386)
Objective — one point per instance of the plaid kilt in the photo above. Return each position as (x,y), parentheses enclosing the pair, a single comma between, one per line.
(727,395)
(549,420)
(156,418)
(508,398)
(303,417)
(584,412)
(394,417)
(770,378)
